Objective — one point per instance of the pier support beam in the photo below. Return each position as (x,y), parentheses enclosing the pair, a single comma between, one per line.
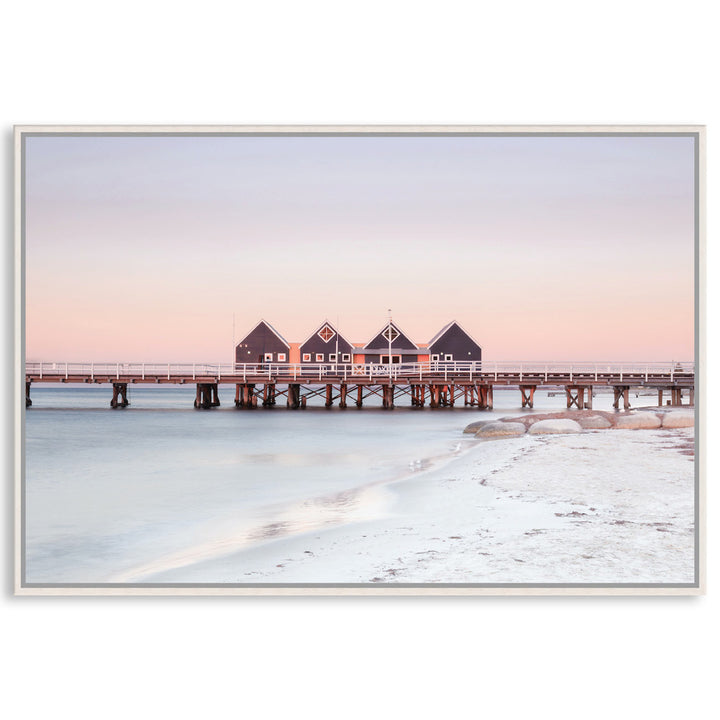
(528,394)
(119,398)
(293,396)
(245,396)
(692,396)
(269,395)
(621,391)
(328,396)
(28,401)
(575,396)
(359,400)
(579,395)
(206,395)
(388,396)
(343,395)
(484,397)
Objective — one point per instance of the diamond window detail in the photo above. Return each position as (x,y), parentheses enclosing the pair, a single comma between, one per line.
(391,334)
(327,333)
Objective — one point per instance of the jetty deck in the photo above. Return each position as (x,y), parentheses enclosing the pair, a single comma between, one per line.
(435,384)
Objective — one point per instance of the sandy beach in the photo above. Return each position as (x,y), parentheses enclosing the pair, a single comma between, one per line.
(599,506)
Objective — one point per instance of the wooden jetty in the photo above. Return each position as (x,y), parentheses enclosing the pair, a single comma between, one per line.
(428,384)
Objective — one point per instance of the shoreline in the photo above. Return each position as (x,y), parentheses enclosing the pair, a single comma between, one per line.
(592,508)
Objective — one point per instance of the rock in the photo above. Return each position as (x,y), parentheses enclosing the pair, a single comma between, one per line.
(500,429)
(678,419)
(594,422)
(475,426)
(561,425)
(638,421)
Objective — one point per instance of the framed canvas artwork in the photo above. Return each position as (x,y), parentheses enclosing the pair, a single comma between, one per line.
(359,360)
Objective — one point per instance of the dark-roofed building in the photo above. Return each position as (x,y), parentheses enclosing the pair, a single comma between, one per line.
(326,344)
(263,344)
(453,344)
(391,340)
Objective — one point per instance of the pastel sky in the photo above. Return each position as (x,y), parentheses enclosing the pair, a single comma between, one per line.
(142,249)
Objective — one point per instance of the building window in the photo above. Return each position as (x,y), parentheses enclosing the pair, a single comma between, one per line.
(268,357)
(346,357)
(327,333)
(448,358)
(332,357)
(307,357)
(319,357)
(282,357)
(435,358)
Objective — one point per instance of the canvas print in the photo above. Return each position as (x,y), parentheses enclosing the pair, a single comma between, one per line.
(370,360)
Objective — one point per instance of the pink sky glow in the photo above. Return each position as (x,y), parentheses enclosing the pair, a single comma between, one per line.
(144,249)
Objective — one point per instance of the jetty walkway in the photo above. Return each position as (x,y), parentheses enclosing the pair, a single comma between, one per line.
(433,384)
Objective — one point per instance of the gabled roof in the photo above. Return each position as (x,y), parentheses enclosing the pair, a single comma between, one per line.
(320,327)
(269,327)
(446,328)
(383,329)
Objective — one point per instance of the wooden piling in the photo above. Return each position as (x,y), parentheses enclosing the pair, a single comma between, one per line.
(293,396)
(119,398)
(328,396)
(571,399)
(388,396)
(28,401)
(268,395)
(359,400)
(528,395)
(576,396)
(343,395)
(621,391)
(206,395)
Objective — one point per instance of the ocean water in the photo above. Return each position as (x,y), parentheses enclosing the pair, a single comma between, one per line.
(121,495)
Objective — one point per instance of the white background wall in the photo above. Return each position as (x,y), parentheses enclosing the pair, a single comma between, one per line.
(370,62)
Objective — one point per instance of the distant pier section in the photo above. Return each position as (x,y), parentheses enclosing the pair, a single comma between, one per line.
(432,384)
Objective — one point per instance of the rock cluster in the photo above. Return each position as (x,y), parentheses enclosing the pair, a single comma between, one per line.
(579,420)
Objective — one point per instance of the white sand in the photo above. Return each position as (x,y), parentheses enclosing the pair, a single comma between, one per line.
(595,507)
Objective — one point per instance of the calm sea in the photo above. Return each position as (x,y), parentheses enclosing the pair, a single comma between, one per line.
(110,491)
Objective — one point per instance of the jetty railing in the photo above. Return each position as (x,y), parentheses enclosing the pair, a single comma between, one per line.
(530,372)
